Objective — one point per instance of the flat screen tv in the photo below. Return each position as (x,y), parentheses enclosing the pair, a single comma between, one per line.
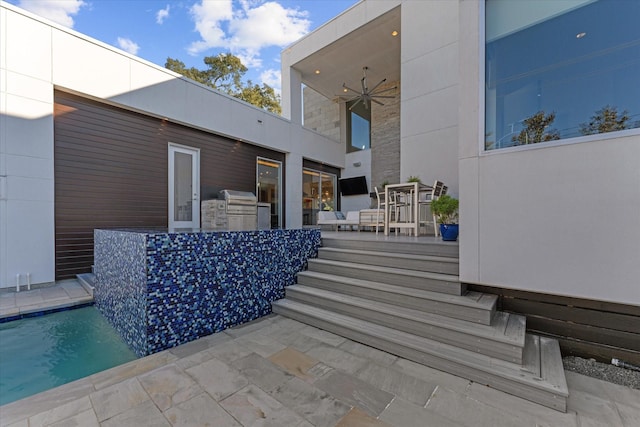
(353,186)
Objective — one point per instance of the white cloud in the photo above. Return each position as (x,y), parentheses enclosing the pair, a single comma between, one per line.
(128,45)
(59,11)
(246,30)
(272,78)
(208,16)
(162,14)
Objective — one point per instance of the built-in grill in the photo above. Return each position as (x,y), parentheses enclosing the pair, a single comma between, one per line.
(234,210)
(240,202)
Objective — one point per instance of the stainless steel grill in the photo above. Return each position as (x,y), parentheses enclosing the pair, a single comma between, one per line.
(242,209)
(240,202)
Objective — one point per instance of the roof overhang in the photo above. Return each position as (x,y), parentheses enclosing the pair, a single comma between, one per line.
(341,60)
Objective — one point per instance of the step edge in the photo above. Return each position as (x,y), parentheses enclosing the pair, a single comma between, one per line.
(399,271)
(410,314)
(416,257)
(402,290)
(514,374)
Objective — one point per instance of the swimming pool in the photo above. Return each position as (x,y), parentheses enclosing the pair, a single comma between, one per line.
(39,353)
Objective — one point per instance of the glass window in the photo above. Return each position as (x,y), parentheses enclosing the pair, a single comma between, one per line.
(318,193)
(557,70)
(269,188)
(358,126)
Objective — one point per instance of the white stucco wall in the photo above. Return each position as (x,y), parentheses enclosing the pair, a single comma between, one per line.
(429,87)
(36,56)
(559,218)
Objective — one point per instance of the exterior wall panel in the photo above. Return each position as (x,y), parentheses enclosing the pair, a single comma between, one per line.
(111,170)
(557,218)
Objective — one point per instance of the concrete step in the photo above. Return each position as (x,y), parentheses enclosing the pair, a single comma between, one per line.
(87,280)
(472,306)
(434,282)
(420,246)
(540,378)
(434,264)
(503,339)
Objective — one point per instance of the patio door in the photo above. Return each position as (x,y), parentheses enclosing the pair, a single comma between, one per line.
(184,187)
(318,194)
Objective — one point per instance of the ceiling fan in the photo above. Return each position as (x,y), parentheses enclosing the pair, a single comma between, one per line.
(365,95)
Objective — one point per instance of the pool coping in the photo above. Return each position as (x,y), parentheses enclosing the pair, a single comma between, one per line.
(42,309)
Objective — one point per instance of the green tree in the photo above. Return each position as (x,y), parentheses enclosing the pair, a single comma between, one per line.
(536,129)
(605,120)
(261,96)
(224,72)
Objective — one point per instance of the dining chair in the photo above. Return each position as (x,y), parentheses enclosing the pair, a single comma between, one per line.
(437,190)
(382,204)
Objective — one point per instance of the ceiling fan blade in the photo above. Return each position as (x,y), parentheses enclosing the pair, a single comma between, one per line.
(382,96)
(384,90)
(376,101)
(376,86)
(348,88)
(356,103)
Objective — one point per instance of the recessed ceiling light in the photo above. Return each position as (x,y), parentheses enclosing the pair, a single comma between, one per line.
(317,71)
(580,35)
(394,33)
(345,90)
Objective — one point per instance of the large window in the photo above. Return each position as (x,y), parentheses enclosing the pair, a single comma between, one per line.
(358,126)
(557,70)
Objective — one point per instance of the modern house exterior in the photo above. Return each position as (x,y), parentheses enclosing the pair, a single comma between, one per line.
(536,218)
(90,135)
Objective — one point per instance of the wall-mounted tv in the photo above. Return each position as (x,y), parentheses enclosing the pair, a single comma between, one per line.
(353,186)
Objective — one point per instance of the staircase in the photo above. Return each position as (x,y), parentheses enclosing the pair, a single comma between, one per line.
(406,298)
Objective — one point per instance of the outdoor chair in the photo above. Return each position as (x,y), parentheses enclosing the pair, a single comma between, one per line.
(424,206)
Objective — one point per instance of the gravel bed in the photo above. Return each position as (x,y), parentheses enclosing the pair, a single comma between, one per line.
(603,371)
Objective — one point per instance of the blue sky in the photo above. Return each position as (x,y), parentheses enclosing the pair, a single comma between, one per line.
(254,30)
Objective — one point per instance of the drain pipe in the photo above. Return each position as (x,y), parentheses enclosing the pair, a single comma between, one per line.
(626,365)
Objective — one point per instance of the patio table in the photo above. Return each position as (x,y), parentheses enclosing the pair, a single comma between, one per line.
(413,190)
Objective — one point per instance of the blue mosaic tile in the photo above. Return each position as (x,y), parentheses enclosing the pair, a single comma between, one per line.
(160,290)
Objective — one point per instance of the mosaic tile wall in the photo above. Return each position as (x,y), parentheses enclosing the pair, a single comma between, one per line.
(198,283)
(121,284)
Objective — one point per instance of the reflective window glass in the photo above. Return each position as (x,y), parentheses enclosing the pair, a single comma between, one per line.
(560,69)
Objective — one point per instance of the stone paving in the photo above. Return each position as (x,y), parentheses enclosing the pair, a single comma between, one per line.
(65,293)
(279,372)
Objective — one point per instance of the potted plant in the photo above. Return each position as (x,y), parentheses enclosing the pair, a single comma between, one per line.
(414,179)
(445,208)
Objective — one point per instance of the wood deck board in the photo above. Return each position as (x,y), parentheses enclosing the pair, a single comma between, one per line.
(445,283)
(389,270)
(416,257)
(495,331)
(484,339)
(470,299)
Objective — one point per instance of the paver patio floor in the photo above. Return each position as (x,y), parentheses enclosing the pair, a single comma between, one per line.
(279,372)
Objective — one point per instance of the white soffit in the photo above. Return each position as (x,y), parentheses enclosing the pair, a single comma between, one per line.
(371,45)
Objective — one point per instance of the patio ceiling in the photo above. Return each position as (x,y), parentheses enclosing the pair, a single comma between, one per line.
(371,45)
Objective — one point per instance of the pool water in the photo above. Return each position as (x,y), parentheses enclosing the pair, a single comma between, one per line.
(39,353)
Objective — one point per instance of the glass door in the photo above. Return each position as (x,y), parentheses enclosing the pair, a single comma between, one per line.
(268,188)
(184,185)
(318,193)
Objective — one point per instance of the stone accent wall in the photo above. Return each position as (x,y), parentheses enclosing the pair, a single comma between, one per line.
(385,138)
(321,114)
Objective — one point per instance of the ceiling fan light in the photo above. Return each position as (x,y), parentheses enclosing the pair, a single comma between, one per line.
(394,33)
